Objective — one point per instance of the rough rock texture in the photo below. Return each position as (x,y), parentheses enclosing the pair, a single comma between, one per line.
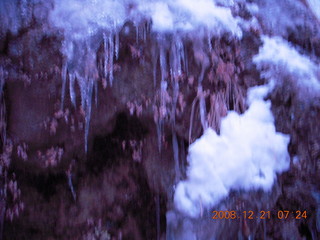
(123,186)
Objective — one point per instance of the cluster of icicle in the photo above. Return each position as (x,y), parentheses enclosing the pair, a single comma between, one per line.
(99,25)
(2,107)
(81,68)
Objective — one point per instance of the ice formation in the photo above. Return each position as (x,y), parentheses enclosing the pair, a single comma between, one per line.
(168,16)
(87,24)
(246,155)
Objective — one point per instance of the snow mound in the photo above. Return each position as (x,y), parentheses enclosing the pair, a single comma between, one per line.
(246,155)
(279,60)
(284,17)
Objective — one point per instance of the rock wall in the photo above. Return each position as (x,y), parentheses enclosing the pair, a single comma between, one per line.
(117,180)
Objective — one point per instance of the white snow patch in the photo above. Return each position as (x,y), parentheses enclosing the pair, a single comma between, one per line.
(246,155)
(295,160)
(83,18)
(315,7)
(283,17)
(277,57)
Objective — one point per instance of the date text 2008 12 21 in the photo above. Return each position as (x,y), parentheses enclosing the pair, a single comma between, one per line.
(281,214)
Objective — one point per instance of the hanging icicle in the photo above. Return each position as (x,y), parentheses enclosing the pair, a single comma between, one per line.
(202,106)
(157,202)
(209,41)
(137,33)
(3,125)
(155,57)
(72,93)
(111,54)
(96,86)
(175,148)
(88,106)
(106,55)
(117,45)
(163,96)
(64,82)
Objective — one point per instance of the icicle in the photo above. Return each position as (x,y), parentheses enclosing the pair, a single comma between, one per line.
(175,98)
(182,156)
(154,74)
(185,58)
(96,93)
(163,89)
(202,103)
(83,90)
(71,89)
(159,134)
(264,229)
(182,57)
(23,9)
(64,81)
(88,107)
(145,26)
(1,80)
(209,41)
(313,52)
(191,119)
(173,62)
(175,70)
(117,45)
(154,64)
(71,187)
(163,64)
(25,12)
(3,132)
(179,56)
(171,226)
(111,53)
(175,148)
(157,200)
(106,56)
(137,33)
(148,30)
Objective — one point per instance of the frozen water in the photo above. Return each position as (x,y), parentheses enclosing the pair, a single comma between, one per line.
(84,18)
(87,24)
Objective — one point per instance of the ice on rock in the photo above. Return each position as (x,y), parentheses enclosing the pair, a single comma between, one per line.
(71,89)
(87,24)
(246,155)
(86,17)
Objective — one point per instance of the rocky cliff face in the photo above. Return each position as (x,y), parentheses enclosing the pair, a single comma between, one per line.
(95,127)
